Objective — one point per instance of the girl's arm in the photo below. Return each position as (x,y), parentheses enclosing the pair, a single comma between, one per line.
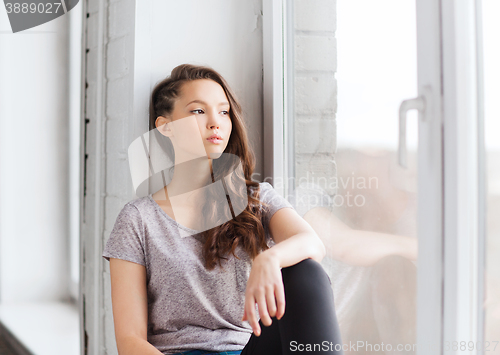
(295,241)
(130,308)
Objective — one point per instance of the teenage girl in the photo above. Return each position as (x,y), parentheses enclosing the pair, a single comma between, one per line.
(183,283)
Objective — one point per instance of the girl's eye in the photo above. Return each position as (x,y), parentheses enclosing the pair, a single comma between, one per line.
(201,111)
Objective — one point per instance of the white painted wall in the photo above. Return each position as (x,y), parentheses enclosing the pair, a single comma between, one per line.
(225,35)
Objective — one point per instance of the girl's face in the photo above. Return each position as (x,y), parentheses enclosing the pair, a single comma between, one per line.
(203,105)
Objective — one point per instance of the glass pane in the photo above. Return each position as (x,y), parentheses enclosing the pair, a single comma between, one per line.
(491,31)
(343,175)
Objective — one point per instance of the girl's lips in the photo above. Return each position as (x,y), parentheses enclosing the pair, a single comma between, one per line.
(214,140)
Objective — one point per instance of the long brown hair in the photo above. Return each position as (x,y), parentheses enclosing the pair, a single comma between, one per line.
(246,229)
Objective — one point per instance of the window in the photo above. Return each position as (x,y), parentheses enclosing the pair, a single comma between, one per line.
(355,90)
(344,85)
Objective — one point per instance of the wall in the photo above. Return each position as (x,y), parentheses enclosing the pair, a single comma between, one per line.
(315,89)
(130,46)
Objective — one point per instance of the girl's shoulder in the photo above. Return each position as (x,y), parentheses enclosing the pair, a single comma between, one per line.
(139,209)
(263,186)
(271,199)
(267,193)
(143,203)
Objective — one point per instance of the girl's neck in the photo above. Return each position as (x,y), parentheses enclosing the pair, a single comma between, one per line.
(190,176)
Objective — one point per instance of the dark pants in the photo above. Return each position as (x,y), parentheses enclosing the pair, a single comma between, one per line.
(309,325)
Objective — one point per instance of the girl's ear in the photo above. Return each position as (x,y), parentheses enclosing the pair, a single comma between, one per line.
(163,125)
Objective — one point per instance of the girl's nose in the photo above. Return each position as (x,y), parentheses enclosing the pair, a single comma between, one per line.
(213,121)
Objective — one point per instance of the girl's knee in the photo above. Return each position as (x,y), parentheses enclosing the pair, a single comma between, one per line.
(307,269)
(308,264)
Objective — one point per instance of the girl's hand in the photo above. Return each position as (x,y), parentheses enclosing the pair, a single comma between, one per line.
(264,287)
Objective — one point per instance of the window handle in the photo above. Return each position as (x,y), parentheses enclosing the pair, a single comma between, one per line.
(417,103)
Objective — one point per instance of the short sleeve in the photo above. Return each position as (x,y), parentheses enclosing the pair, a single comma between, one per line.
(274,202)
(127,237)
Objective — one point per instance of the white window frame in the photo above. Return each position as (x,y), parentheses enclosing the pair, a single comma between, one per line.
(274,93)
(464,236)
(430,181)
(76,83)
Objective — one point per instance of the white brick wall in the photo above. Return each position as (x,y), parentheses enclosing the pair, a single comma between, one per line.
(315,52)
(117,92)
(315,15)
(315,91)
(110,41)
(119,115)
(323,143)
(118,64)
(315,94)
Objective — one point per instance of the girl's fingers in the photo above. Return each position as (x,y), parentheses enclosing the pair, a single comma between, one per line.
(264,315)
(250,312)
(279,292)
(271,302)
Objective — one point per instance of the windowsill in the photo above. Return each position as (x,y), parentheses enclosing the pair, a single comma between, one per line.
(43,327)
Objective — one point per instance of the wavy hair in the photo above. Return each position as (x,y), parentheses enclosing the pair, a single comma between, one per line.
(246,229)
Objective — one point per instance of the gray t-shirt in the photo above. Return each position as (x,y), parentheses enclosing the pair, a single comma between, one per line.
(189,307)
